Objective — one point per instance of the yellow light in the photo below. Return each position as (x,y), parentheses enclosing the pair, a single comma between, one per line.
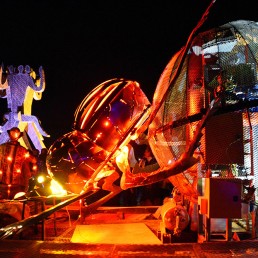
(27,154)
(9,158)
(57,189)
(122,159)
(41,179)
(18,171)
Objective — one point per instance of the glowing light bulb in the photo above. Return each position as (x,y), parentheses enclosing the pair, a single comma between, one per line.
(106,123)
(99,135)
(41,179)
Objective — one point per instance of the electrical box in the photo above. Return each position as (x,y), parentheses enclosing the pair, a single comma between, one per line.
(223,197)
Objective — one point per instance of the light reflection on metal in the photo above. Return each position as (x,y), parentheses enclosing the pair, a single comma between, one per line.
(57,189)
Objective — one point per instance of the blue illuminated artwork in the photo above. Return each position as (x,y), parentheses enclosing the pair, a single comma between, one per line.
(20,86)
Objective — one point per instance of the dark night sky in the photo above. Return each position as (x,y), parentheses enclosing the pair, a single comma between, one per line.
(81,44)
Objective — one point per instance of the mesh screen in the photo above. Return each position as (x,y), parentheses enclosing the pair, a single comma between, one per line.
(222,61)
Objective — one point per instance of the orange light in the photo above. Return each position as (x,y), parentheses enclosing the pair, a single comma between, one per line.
(169,162)
(1,172)
(18,171)
(106,123)
(27,154)
(98,135)
(9,158)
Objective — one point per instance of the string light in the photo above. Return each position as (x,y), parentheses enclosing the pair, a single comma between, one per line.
(106,123)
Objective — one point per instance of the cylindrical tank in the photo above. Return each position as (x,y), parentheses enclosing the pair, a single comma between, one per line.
(174,216)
